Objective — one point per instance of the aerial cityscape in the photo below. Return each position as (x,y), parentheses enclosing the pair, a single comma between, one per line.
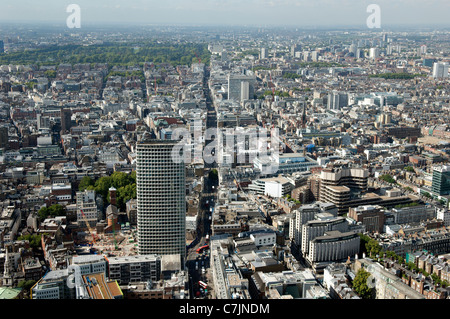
(251,161)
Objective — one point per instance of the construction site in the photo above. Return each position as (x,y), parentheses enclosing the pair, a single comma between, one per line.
(108,238)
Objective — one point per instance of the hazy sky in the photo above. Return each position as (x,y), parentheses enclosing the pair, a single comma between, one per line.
(230,12)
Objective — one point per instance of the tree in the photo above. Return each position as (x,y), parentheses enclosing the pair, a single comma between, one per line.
(388,178)
(85,182)
(50,74)
(26,285)
(213,175)
(124,194)
(34,240)
(361,286)
(52,211)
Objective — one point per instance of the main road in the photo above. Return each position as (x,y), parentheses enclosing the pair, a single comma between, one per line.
(195,261)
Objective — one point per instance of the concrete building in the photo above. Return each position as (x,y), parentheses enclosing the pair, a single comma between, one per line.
(89,264)
(440,70)
(294,284)
(318,227)
(87,211)
(414,214)
(134,269)
(372,217)
(441,180)
(161,204)
(337,100)
(332,246)
(54,286)
(275,187)
(235,85)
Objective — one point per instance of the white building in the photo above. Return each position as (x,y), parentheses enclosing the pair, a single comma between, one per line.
(374,53)
(275,187)
(91,264)
(264,238)
(444,215)
(440,70)
(333,246)
(87,211)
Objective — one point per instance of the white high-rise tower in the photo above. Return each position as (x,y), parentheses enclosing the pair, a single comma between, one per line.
(161,199)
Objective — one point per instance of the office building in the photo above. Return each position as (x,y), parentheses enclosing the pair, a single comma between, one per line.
(413,214)
(372,217)
(134,269)
(332,246)
(274,187)
(295,48)
(87,212)
(337,100)
(263,53)
(318,227)
(54,285)
(374,53)
(440,70)
(428,62)
(355,179)
(285,163)
(235,85)
(441,180)
(90,264)
(2,46)
(66,120)
(161,203)
(306,213)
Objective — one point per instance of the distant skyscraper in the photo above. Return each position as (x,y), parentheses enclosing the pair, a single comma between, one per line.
(235,86)
(263,53)
(161,202)
(440,70)
(423,49)
(374,53)
(428,62)
(295,48)
(353,49)
(2,46)
(66,119)
(245,90)
(337,100)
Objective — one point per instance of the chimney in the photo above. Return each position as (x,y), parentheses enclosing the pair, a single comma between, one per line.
(112,196)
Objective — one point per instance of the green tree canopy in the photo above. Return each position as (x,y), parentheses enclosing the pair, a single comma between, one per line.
(360,284)
(388,178)
(85,182)
(34,240)
(52,211)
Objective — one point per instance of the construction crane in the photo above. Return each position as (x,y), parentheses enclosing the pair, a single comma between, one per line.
(114,234)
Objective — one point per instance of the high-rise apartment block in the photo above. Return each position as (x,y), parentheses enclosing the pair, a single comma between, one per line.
(241,86)
(440,70)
